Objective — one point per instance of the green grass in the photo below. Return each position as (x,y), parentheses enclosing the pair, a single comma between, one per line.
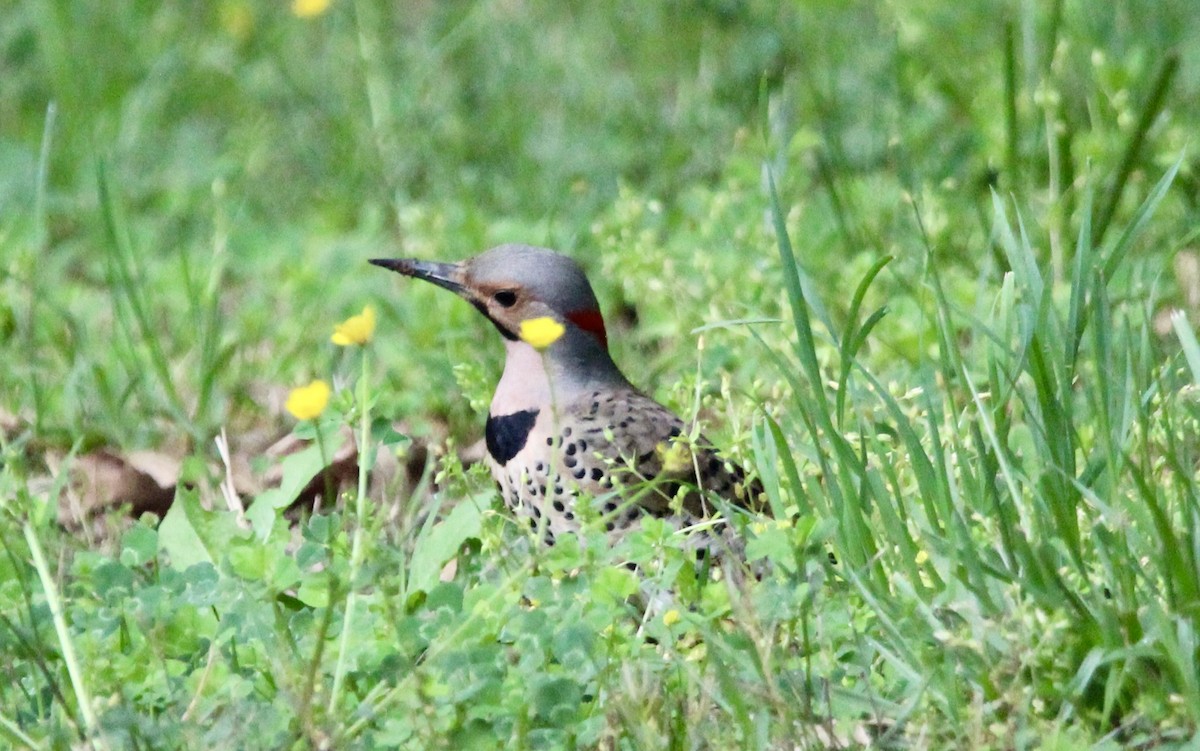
(914,263)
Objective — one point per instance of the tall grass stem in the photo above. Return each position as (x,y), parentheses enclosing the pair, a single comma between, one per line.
(356,549)
(54,602)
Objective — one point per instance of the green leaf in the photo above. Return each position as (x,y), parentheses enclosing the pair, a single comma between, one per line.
(440,543)
(314,590)
(383,432)
(299,469)
(775,544)
(1187,339)
(556,699)
(138,545)
(189,534)
(616,583)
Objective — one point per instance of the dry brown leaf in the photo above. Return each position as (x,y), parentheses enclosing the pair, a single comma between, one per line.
(9,423)
(103,479)
(473,454)
(1187,275)
(449,570)
(161,468)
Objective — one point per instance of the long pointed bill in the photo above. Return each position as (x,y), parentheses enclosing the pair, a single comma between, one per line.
(446,275)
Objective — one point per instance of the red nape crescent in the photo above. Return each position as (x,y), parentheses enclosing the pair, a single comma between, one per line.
(590,321)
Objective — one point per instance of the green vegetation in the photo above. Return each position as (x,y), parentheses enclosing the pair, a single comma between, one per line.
(913,262)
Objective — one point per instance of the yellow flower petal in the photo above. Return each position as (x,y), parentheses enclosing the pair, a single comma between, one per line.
(308,402)
(356,329)
(671,617)
(540,333)
(309,8)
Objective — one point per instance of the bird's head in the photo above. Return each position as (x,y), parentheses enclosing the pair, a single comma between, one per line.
(511,284)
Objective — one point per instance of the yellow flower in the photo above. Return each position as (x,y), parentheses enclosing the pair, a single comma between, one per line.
(307,402)
(356,329)
(309,8)
(671,617)
(541,332)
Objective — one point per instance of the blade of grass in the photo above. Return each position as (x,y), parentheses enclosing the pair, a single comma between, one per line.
(804,409)
(41,239)
(15,734)
(1140,219)
(1080,279)
(1187,340)
(852,339)
(128,293)
(1012,135)
(767,451)
(365,460)
(1154,106)
(82,696)
(790,470)
(207,309)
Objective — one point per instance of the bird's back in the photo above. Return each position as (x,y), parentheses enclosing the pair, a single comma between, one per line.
(624,452)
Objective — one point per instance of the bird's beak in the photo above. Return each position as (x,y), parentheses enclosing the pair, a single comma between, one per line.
(447,275)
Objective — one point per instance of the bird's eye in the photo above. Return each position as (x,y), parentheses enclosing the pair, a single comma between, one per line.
(505,298)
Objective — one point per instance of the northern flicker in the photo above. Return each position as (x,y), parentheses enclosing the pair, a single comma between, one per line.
(564,423)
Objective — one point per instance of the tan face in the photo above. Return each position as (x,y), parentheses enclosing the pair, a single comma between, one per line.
(514,283)
(506,304)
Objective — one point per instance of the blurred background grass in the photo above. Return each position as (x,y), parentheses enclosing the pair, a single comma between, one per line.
(215,174)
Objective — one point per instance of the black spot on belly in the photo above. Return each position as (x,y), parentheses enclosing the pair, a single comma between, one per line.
(506,434)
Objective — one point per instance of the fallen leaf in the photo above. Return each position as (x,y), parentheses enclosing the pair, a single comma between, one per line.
(103,479)
(9,423)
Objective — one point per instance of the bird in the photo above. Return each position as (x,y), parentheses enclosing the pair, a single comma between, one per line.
(569,438)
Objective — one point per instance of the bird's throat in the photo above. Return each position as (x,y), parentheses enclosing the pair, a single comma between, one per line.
(524,385)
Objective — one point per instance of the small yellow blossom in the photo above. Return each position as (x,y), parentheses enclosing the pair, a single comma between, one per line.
(922,556)
(307,402)
(676,457)
(356,329)
(540,333)
(671,617)
(309,8)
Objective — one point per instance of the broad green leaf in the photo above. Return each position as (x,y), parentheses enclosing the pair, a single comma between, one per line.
(299,469)
(440,543)
(189,534)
